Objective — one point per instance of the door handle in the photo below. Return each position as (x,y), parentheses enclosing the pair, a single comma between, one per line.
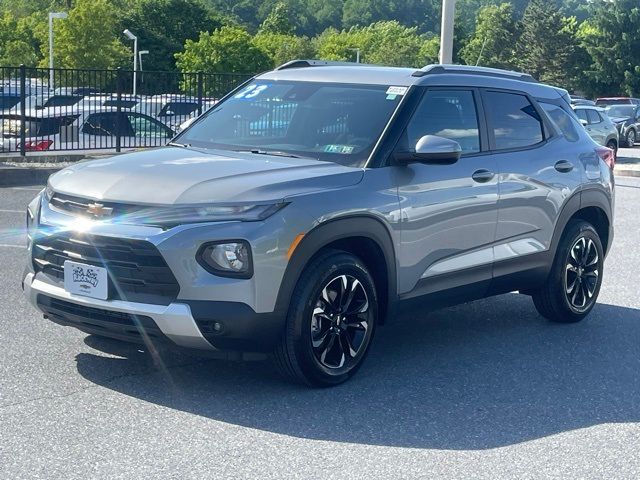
(563,166)
(482,175)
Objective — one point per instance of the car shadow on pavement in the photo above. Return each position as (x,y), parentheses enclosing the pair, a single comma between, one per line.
(481,375)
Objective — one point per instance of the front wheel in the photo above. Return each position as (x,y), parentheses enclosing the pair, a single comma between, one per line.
(331,321)
(574,282)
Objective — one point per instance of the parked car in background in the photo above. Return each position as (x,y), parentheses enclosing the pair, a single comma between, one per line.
(626,118)
(59,129)
(598,125)
(579,100)
(606,101)
(172,110)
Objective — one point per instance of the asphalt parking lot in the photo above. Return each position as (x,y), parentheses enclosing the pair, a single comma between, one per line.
(483,390)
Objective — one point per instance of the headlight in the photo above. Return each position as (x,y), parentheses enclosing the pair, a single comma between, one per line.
(227,259)
(173,216)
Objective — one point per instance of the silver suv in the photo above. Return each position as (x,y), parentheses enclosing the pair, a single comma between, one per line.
(298,214)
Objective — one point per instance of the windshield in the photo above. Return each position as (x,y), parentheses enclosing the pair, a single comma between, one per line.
(330,122)
(620,111)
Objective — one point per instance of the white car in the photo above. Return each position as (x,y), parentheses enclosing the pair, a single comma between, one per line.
(57,129)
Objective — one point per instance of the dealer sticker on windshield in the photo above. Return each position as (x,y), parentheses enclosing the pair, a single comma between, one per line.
(396,90)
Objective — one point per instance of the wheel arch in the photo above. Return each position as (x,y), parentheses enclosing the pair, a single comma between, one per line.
(364,236)
(592,205)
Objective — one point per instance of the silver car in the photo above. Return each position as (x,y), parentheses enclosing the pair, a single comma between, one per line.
(299,214)
(599,126)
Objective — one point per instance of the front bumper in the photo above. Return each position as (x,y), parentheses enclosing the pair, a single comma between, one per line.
(174,320)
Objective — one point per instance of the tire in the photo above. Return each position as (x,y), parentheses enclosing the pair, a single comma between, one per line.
(630,138)
(320,346)
(573,285)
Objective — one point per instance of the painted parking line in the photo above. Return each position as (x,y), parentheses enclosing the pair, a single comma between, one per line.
(12,211)
(9,245)
(27,189)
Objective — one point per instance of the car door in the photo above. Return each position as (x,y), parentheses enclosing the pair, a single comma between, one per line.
(596,127)
(538,169)
(449,211)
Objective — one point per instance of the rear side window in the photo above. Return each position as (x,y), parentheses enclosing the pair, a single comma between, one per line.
(178,108)
(514,120)
(594,117)
(107,125)
(563,121)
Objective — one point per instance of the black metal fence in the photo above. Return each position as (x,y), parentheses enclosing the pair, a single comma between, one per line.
(45,110)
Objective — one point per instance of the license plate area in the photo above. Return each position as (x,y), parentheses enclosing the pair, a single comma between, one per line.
(86,280)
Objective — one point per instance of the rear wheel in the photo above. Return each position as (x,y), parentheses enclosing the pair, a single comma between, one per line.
(331,321)
(631,138)
(573,285)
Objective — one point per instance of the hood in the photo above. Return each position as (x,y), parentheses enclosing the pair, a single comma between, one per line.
(174,175)
(620,119)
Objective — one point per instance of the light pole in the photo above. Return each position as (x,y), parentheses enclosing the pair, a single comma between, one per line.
(53,15)
(357,50)
(446,31)
(131,36)
(140,54)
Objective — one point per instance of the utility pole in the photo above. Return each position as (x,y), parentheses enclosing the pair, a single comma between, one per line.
(446,31)
(52,16)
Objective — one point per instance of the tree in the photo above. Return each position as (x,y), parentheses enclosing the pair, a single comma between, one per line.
(546,48)
(278,20)
(163,26)
(492,43)
(90,37)
(384,43)
(282,48)
(227,49)
(18,41)
(613,42)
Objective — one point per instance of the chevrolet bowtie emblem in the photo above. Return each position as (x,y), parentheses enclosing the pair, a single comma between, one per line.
(99,210)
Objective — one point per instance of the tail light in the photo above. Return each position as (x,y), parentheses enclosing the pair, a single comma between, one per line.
(37,145)
(607,155)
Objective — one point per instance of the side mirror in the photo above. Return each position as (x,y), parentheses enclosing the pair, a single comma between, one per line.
(432,149)
(583,122)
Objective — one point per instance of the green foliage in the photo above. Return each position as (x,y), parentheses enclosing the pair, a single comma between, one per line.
(278,20)
(546,48)
(18,44)
(613,43)
(384,43)
(282,48)
(492,43)
(163,26)
(89,38)
(228,49)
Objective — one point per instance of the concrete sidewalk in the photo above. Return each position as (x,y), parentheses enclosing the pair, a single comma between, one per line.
(628,162)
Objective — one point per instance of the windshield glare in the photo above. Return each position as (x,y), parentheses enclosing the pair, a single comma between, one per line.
(620,111)
(331,122)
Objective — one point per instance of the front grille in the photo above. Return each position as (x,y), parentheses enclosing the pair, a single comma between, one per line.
(96,320)
(80,206)
(137,271)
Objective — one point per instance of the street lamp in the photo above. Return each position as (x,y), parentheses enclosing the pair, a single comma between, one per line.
(140,54)
(53,15)
(357,50)
(446,31)
(131,36)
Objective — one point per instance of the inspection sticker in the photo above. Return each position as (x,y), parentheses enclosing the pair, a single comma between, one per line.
(396,90)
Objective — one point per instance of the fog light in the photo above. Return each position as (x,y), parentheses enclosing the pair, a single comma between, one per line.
(230,259)
(217,327)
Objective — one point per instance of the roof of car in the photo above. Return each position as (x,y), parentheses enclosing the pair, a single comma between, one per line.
(454,75)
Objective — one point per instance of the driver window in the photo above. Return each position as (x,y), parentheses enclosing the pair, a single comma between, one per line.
(446,113)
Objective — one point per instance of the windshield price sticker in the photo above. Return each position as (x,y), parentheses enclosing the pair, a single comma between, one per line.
(251,91)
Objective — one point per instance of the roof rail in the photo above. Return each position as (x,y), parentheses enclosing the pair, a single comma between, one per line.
(317,63)
(471,70)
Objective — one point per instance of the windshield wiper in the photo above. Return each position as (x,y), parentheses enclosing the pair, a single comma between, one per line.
(181,145)
(275,153)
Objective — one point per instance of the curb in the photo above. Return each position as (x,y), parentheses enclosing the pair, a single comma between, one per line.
(22,176)
(626,173)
